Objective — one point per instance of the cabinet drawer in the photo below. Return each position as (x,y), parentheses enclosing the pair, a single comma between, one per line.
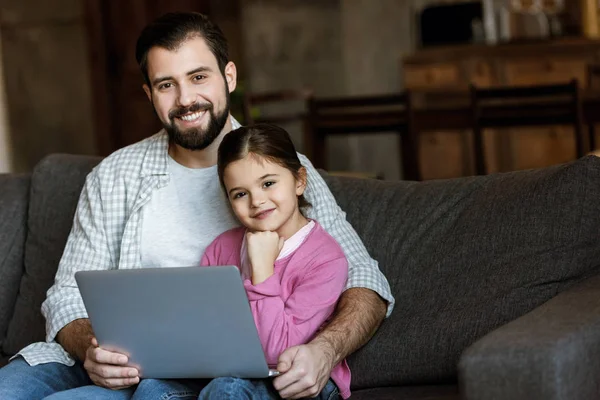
(431,76)
(537,72)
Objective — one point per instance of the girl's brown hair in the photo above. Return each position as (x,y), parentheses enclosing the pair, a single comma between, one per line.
(264,140)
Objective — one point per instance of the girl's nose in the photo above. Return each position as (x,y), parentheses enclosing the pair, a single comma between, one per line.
(257,201)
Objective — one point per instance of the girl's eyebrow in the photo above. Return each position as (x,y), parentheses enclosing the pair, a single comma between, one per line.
(265,176)
(258,180)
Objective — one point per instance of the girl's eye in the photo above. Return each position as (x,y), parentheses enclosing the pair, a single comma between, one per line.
(268,183)
(239,195)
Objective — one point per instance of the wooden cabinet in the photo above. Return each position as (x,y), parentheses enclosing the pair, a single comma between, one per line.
(448,154)
(435,75)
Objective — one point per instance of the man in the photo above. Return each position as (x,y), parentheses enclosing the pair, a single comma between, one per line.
(158,203)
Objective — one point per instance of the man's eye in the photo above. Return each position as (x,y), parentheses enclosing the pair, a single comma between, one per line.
(164,86)
(199,77)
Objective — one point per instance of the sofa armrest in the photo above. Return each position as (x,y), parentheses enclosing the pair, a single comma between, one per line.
(14,202)
(551,353)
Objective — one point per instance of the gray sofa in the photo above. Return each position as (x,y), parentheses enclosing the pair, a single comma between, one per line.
(496,278)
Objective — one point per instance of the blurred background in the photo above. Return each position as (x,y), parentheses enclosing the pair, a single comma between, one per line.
(71,84)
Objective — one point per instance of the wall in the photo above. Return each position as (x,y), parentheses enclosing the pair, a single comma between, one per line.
(5,144)
(48,94)
(336,47)
(375,37)
(292,44)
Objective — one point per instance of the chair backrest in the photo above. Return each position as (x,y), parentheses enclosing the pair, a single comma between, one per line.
(365,114)
(593,76)
(255,102)
(519,106)
(281,107)
(526,105)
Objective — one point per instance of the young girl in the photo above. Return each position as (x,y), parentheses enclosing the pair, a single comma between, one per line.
(293,271)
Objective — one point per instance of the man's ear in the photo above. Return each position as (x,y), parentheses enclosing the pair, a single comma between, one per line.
(231,76)
(148,92)
(301,181)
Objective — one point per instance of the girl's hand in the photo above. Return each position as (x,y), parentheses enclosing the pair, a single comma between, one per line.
(263,249)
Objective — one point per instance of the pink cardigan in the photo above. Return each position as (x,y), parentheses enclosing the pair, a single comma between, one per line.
(291,305)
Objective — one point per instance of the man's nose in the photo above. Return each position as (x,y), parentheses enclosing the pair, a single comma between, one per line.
(187,96)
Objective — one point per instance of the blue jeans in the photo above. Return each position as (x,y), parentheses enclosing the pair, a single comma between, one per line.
(55,381)
(254,389)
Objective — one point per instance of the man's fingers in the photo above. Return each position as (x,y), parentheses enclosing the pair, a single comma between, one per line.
(111,371)
(114,383)
(102,356)
(304,387)
(286,359)
(291,377)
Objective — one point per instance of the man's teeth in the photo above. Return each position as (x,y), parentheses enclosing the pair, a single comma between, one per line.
(191,117)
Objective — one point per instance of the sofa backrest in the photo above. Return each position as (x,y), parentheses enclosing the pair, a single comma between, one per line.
(466,256)
(14,197)
(462,256)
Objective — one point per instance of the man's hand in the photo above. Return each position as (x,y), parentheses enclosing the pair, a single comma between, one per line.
(263,249)
(304,370)
(107,369)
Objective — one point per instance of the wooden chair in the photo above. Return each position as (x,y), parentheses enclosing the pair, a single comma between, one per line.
(255,104)
(365,114)
(593,83)
(539,105)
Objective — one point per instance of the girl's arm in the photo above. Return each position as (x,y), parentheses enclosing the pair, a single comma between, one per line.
(284,324)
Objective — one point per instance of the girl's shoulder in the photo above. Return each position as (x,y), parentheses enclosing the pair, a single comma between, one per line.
(319,240)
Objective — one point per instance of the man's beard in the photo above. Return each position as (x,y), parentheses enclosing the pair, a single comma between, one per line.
(197,138)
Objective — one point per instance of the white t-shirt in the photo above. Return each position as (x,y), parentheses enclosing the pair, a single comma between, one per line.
(184,217)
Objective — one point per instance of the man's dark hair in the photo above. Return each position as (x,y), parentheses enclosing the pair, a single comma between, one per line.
(171,30)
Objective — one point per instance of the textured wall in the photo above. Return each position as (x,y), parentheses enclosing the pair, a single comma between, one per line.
(5,143)
(337,47)
(376,34)
(296,44)
(46,73)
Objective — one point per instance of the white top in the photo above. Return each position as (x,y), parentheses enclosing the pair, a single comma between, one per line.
(183,218)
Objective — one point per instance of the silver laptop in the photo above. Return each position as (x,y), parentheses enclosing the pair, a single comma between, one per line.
(192,322)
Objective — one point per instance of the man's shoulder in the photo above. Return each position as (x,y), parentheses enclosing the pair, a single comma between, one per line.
(128,162)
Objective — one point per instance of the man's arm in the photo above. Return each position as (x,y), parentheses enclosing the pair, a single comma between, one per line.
(357,317)
(76,337)
(86,249)
(306,369)
(363,271)
(66,316)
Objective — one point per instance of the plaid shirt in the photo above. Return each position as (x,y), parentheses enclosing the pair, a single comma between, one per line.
(106,234)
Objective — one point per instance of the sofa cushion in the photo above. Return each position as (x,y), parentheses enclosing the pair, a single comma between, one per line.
(468,255)
(14,195)
(55,187)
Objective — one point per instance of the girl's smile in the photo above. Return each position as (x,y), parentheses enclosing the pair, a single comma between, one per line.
(264,195)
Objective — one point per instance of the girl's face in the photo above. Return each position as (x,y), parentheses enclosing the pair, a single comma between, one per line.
(264,195)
